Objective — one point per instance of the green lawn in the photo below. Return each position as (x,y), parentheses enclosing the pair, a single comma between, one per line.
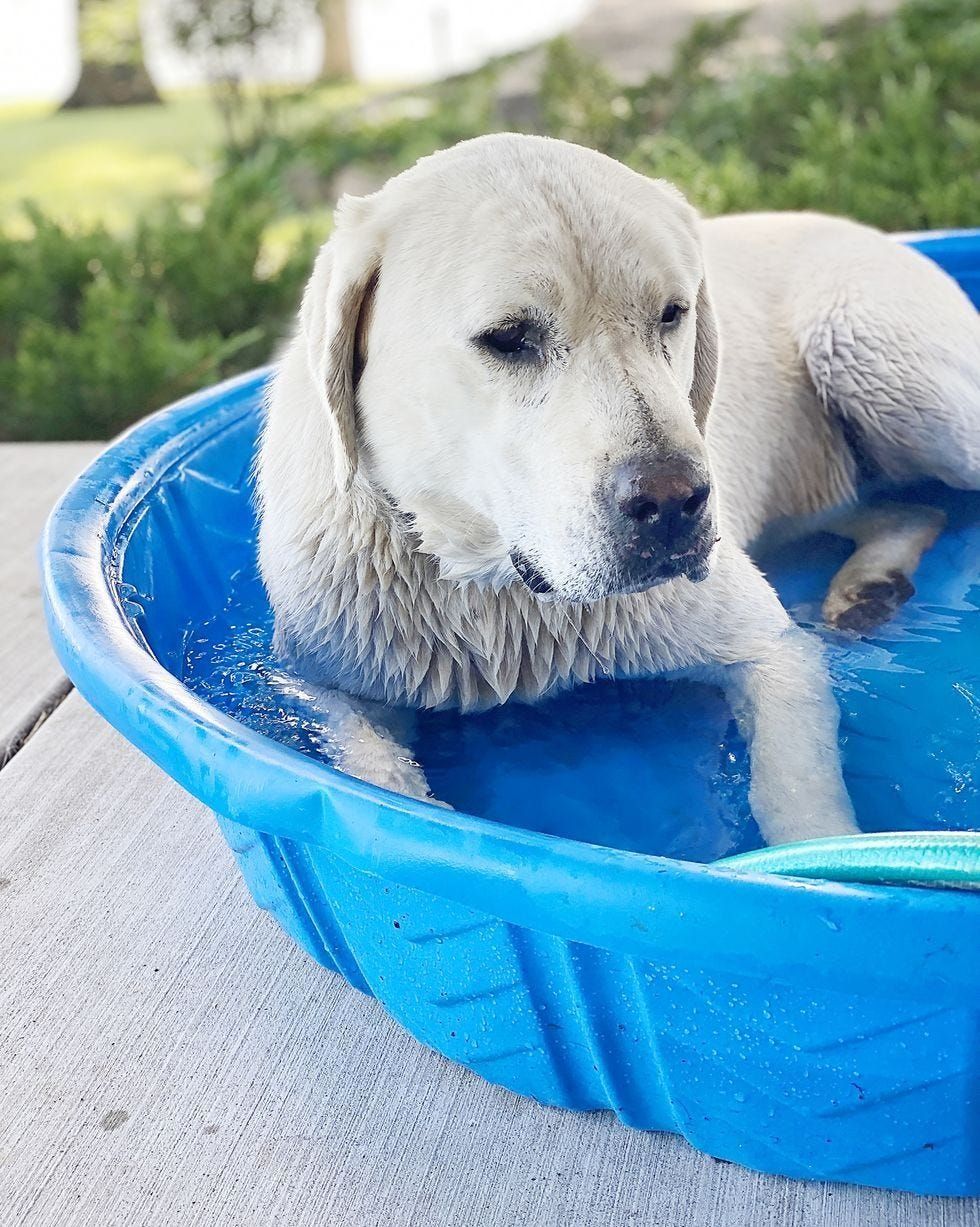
(106,164)
(109,164)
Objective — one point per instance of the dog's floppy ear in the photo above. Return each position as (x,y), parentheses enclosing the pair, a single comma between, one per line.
(706,349)
(335,305)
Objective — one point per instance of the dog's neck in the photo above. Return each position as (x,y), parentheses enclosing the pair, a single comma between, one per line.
(369,612)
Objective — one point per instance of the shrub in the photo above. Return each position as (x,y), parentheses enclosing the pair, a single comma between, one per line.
(96,330)
(878,119)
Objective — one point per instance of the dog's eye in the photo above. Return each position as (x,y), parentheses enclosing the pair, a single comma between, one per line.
(672,314)
(520,340)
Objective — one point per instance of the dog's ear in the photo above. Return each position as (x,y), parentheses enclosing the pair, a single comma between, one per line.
(333,323)
(706,349)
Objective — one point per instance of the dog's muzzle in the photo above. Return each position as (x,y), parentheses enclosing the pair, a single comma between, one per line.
(636,573)
(660,520)
(658,525)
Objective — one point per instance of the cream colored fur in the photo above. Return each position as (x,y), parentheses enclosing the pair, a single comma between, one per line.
(398,469)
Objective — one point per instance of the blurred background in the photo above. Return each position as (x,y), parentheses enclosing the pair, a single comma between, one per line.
(170,166)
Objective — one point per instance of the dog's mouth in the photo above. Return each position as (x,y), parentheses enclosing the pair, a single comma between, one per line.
(694,568)
(531,577)
(693,564)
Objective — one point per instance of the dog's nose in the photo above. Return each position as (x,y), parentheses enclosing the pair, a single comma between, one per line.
(670,499)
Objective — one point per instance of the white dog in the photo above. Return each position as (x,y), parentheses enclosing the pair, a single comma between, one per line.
(489,471)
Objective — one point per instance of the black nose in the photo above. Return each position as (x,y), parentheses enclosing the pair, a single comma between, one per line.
(668,498)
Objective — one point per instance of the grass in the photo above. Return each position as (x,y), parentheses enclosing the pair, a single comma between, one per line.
(105,165)
(109,165)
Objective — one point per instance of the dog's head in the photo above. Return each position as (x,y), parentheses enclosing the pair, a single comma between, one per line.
(516,345)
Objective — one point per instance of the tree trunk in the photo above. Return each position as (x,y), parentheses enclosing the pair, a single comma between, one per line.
(337,62)
(111,48)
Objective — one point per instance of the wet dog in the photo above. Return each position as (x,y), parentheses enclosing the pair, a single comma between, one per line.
(536,411)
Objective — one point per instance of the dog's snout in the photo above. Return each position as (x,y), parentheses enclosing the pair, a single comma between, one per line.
(671,499)
(661,520)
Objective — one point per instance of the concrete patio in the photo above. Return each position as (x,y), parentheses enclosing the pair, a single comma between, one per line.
(168,1057)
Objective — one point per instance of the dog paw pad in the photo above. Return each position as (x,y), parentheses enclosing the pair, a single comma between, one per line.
(860,607)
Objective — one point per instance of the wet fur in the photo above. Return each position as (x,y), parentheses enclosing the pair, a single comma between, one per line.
(829,333)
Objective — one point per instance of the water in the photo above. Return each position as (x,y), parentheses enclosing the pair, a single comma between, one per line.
(659,767)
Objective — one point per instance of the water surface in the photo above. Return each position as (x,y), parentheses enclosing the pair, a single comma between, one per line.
(659,766)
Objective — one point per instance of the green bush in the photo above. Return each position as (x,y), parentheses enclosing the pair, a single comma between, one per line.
(878,119)
(96,330)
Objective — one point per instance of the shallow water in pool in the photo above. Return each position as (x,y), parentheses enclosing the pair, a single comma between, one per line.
(658,766)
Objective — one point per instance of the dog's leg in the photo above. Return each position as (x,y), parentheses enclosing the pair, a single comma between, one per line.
(366,741)
(877,578)
(777,683)
(788,715)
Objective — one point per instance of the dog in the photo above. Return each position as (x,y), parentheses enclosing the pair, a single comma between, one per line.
(536,412)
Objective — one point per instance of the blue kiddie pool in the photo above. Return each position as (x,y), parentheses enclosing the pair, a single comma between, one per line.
(562,931)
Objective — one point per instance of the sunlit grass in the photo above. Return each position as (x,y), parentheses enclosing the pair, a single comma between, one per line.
(105,164)
(109,165)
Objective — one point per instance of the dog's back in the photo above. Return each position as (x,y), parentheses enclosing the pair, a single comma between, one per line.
(844,354)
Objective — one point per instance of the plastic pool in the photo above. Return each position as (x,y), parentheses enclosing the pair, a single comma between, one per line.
(807,1028)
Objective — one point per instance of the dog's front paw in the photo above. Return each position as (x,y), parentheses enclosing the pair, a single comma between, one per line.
(433,800)
(863,605)
(376,763)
